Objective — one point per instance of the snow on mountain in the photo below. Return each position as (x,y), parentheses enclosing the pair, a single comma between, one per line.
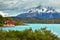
(40,12)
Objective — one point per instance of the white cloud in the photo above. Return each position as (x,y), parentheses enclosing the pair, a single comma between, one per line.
(26,3)
(3,14)
(19,5)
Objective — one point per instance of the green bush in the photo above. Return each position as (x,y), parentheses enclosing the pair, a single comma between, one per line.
(28,34)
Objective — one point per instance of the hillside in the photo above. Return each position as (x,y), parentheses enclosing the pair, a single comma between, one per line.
(3,21)
(40,14)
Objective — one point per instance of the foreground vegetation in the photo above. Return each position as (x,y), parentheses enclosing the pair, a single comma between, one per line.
(28,34)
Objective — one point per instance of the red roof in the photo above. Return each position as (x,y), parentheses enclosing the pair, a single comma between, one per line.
(10,22)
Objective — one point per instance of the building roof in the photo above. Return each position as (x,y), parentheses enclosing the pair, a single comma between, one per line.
(10,22)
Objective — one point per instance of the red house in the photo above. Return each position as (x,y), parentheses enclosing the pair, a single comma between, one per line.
(10,23)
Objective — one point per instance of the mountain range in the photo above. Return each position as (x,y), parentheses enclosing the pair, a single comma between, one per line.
(40,12)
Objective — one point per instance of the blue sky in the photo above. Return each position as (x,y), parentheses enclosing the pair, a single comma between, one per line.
(14,7)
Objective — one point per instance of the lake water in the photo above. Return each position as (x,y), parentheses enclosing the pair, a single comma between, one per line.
(53,27)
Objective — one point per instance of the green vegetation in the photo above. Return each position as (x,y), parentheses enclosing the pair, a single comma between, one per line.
(28,34)
(4,19)
(1,20)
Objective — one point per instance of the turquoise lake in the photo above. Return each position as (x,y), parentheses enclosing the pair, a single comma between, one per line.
(55,28)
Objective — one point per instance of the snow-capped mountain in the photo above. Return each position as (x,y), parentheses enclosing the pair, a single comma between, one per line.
(41,9)
(40,12)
